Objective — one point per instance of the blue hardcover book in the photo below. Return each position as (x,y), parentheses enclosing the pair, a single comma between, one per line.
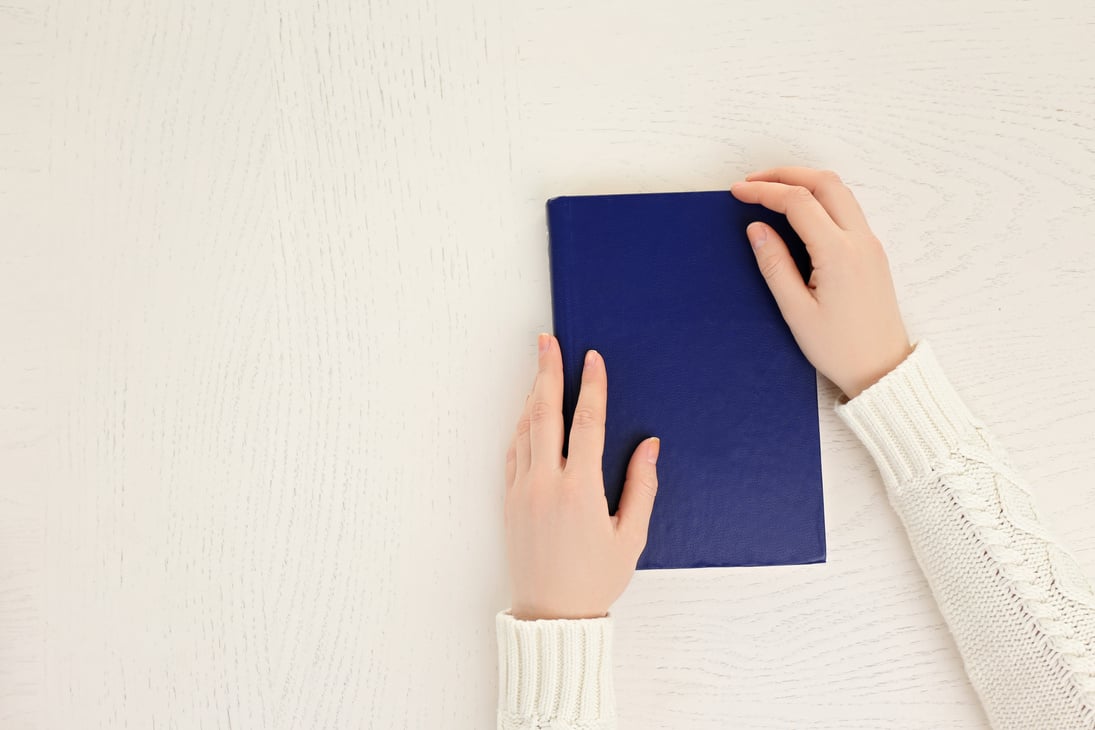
(667,289)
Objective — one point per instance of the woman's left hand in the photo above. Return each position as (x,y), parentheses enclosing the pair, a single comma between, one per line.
(568,558)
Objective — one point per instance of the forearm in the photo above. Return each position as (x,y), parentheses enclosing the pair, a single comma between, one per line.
(1020,610)
(555,675)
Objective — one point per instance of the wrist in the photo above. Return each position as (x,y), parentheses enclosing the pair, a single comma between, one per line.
(525,612)
(881,369)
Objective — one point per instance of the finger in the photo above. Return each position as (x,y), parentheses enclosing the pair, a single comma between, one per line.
(839,202)
(511,462)
(522,442)
(794,298)
(812,223)
(546,406)
(637,500)
(587,430)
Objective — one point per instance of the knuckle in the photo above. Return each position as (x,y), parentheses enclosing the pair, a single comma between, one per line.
(584,417)
(531,503)
(571,481)
(829,177)
(539,412)
(523,427)
(798,195)
(573,491)
(648,485)
(574,473)
(536,484)
(874,244)
(872,248)
(771,267)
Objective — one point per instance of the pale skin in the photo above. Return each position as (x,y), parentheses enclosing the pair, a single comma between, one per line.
(568,557)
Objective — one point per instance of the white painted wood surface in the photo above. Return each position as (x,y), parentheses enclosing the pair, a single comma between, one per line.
(270,278)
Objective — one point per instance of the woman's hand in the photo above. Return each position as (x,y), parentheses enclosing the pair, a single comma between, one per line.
(846,320)
(568,558)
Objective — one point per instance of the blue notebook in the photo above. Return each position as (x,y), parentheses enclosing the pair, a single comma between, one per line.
(666,288)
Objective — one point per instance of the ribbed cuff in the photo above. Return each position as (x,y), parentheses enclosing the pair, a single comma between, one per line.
(557,671)
(910,418)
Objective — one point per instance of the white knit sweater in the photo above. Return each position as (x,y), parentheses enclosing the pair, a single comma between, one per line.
(1020,610)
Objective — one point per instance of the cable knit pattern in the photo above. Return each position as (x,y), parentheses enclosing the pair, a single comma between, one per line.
(555,675)
(1017,603)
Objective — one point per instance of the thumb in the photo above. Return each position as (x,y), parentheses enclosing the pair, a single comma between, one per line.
(640,486)
(779,270)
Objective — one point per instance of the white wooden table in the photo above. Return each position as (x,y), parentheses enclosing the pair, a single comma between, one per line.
(270,279)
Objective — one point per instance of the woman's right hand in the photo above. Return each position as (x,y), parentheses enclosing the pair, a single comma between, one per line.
(846,319)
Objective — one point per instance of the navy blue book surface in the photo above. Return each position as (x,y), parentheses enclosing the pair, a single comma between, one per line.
(667,289)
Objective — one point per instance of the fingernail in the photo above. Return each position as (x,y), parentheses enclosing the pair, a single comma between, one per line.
(758,234)
(545,340)
(591,358)
(653,447)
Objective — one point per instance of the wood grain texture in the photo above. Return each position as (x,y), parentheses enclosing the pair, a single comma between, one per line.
(27,367)
(270,278)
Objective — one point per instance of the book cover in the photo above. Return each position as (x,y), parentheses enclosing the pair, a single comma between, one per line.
(666,288)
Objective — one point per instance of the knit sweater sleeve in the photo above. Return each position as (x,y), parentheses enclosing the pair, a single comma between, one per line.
(1019,608)
(555,675)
